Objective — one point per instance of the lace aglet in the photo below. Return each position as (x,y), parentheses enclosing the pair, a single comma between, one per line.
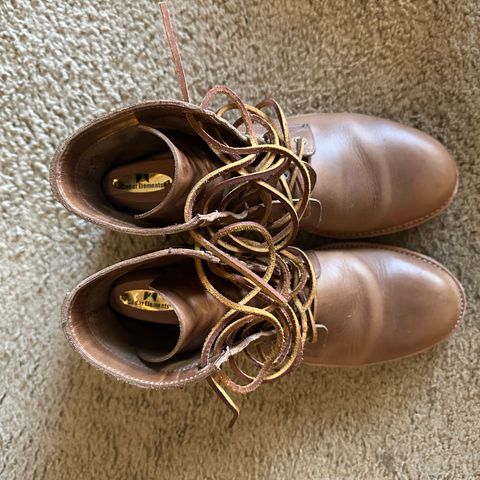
(235,414)
(219,390)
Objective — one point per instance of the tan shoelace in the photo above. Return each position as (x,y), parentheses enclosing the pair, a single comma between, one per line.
(272,182)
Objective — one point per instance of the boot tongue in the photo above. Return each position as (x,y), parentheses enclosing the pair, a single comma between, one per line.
(190,162)
(167,310)
(196,310)
(155,188)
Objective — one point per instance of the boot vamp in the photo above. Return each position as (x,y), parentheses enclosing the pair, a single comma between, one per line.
(374,175)
(380,304)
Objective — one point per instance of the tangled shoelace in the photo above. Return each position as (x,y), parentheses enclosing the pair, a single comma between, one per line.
(275,282)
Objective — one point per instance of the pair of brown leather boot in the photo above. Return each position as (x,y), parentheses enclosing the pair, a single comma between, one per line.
(244,306)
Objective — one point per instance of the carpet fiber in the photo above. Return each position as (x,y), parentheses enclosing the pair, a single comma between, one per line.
(62,63)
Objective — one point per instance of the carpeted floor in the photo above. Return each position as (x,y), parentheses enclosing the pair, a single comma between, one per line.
(62,63)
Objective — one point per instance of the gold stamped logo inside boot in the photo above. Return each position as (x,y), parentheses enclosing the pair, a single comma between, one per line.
(149,300)
(142,182)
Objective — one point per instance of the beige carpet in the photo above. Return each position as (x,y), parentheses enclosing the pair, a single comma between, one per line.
(63,62)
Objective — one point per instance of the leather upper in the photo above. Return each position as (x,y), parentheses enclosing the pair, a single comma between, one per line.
(381,303)
(374,176)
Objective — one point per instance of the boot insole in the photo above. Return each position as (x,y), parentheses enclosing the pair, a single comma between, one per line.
(132,296)
(147,316)
(141,185)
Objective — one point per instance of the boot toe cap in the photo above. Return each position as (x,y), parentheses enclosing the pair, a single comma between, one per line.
(375,176)
(381,304)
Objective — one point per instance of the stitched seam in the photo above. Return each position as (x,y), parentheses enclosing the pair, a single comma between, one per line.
(181,369)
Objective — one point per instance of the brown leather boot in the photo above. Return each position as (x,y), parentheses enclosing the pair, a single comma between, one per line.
(149,320)
(133,170)
(373,176)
